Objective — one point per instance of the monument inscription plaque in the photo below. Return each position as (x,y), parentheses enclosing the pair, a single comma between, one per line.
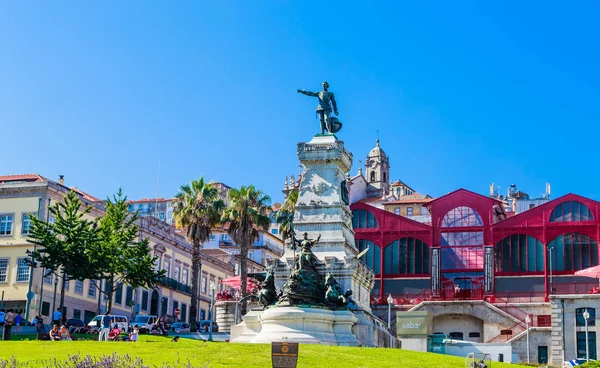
(284,354)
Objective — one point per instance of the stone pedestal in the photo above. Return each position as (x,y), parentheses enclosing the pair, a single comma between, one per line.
(225,315)
(294,324)
(322,210)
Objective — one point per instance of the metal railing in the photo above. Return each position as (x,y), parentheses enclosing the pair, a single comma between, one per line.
(175,285)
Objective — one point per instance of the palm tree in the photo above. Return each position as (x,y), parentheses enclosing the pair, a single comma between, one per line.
(247,214)
(285,216)
(197,209)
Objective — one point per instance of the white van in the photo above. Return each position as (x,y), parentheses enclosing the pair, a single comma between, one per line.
(145,322)
(120,321)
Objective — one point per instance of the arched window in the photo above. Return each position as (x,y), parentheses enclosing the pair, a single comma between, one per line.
(363,219)
(571,211)
(520,253)
(384,177)
(406,256)
(373,257)
(372,175)
(462,250)
(573,252)
(462,216)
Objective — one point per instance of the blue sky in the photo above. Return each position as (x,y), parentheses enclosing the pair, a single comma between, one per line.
(461,94)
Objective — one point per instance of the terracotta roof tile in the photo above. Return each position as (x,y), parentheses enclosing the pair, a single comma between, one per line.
(85,195)
(22,177)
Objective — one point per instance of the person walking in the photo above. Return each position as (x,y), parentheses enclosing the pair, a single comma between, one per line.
(105,330)
(56,316)
(9,319)
(18,319)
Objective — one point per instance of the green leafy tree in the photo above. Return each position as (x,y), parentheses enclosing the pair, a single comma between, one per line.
(62,244)
(247,214)
(197,210)
(120,256)
(285,216)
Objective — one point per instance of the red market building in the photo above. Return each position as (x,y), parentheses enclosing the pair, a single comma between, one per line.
(472,250)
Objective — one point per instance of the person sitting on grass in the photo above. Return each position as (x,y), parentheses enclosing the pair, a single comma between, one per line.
(64,334)
(55,333)
(133,336)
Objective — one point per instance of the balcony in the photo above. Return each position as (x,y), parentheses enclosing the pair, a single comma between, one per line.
(175,285)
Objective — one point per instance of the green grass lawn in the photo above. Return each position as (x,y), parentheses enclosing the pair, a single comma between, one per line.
(154,350)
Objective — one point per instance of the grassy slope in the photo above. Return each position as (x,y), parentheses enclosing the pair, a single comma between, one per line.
(156,350)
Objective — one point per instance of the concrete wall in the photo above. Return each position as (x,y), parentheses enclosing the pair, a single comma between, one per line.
(416,344)
(564,329)
(466,324)
(537,337)
(493,321)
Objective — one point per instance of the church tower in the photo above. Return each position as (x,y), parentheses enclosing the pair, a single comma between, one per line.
(378,172)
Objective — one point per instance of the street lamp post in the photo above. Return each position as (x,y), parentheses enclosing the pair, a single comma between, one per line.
(29,292)
(586,316)
(527,322)
(54,300)
(390,301)
(212,313)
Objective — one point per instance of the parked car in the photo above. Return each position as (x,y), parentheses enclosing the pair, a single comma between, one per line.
(120,321)
(76,325)
(180,327)
(574,363)
(205,325)
(145,322)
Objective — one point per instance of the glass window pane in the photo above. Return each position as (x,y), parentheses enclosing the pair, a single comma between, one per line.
(387,256)
(376,259)
(575,209)
(585,251)
(418,257)
(514,253)
(567,214)
(506,254)
(540,249)
(362,219)
(426,259)
(522,253)
(395,258)
(410,259)
(355,219)
(568,257)
(402,256)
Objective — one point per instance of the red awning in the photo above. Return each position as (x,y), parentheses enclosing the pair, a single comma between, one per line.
(235,283)
(589,272)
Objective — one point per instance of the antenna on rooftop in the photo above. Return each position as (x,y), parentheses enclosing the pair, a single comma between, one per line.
(157,183)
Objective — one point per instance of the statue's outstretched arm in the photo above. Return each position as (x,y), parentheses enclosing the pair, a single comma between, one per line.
(308,93)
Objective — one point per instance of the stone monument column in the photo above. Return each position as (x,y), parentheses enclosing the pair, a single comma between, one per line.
(323,209)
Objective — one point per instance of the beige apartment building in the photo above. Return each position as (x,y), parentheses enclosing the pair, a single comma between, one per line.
(22,196)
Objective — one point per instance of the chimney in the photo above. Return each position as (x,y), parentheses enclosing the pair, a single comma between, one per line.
(61,179)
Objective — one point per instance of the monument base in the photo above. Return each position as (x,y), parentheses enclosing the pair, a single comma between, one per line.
(297,324)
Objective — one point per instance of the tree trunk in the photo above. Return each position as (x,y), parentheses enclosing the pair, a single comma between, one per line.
(196,266)
(62,293)
(244,275)
(109,295)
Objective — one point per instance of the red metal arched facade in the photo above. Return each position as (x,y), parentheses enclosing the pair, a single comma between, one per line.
(534,222)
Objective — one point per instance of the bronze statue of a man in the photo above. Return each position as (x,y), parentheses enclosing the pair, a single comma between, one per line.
(306,244)
(326,103)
